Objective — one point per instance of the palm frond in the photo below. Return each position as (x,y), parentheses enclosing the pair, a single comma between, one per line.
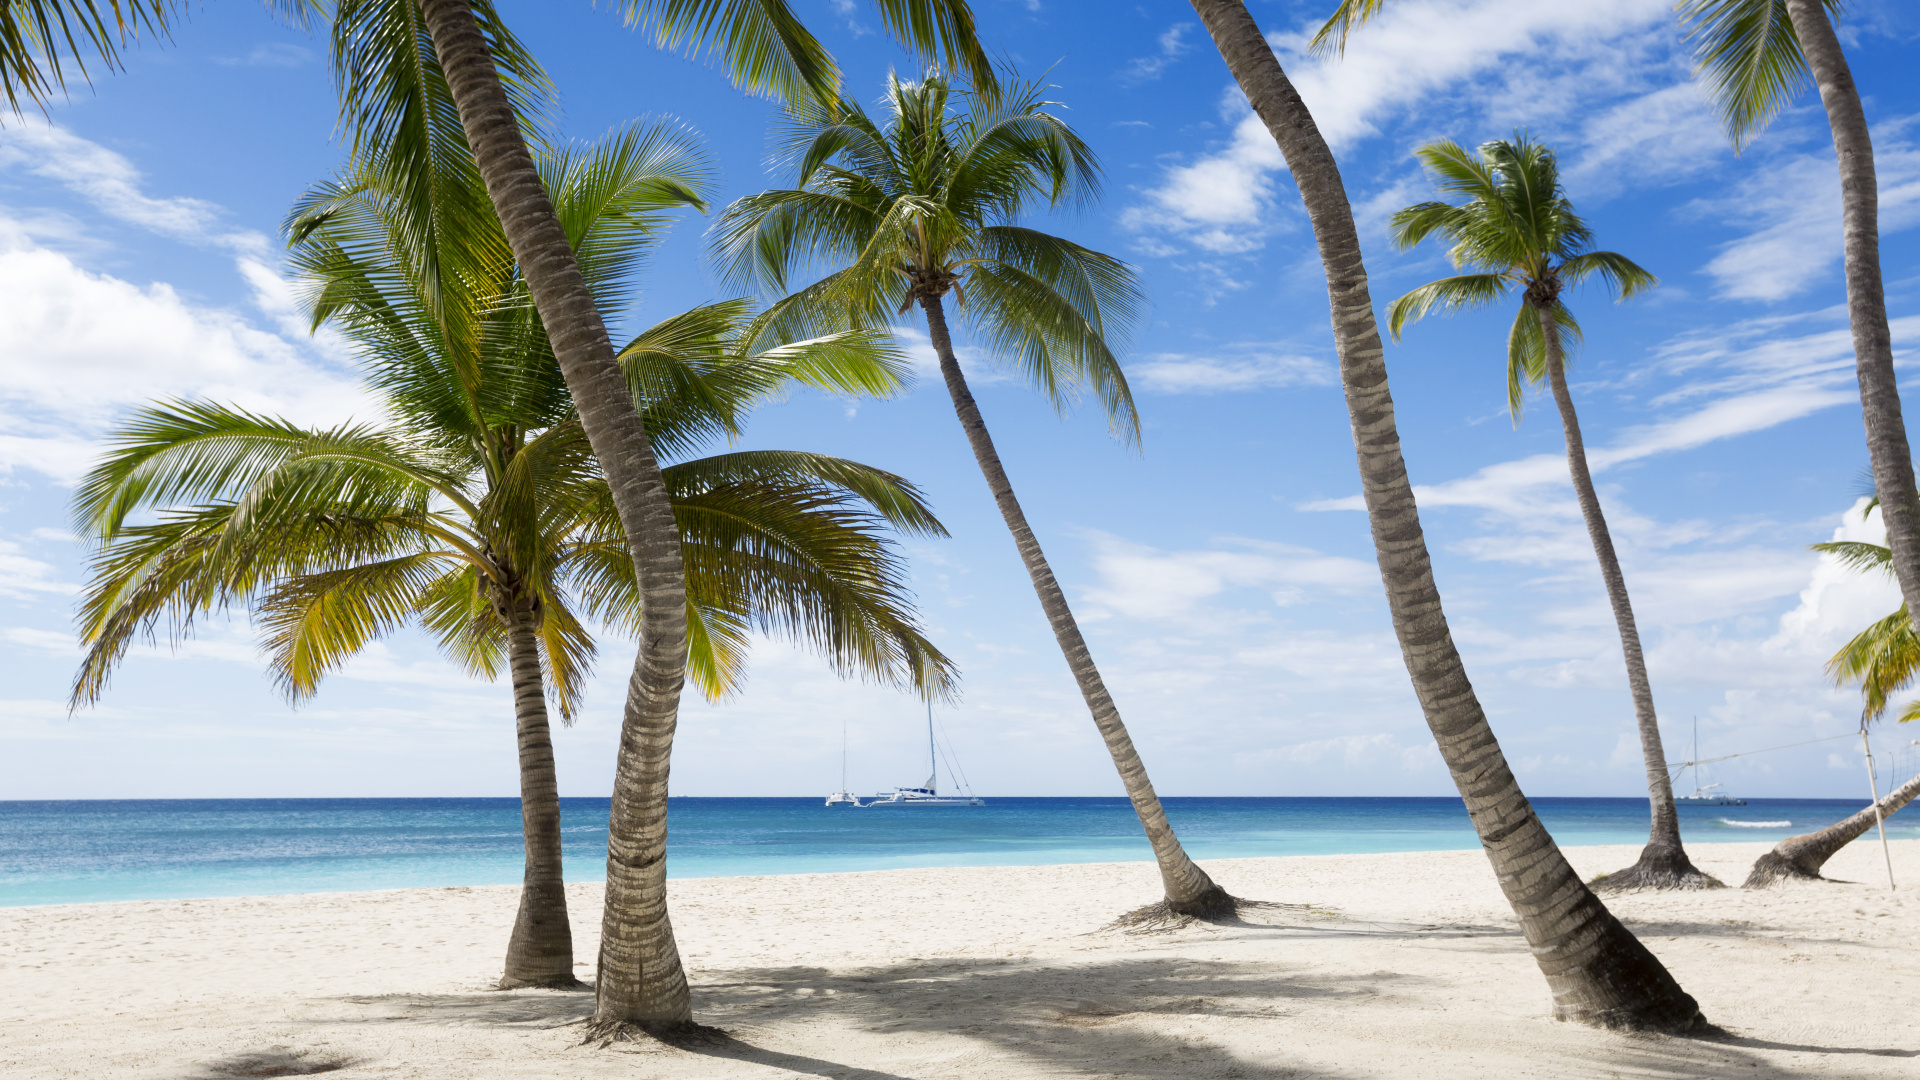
(40,38)
(1348,17)
(1856,555)
(1751,58)
(314,622)
(1624,276)
(1882,660)
(1459,293)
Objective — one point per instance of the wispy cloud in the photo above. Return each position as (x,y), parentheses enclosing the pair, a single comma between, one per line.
(1234,368)
(1173,45)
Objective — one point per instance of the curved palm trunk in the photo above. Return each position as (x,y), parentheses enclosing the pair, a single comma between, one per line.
(641,980)
(1598,971)
(1189,890)
(540,952)
(1887,446)
(1799,858)
(1663,864)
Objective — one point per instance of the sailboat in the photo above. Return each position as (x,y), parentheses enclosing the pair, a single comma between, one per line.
(843,797)
(929,793)
(1704,794)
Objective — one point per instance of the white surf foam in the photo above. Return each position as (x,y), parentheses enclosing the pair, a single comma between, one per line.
(1755,824)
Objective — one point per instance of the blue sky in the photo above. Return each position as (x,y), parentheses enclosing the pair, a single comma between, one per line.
(1222,572)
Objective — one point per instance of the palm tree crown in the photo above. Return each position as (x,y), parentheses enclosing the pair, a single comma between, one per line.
(1515,229)
(1883,659)
(925,204)
(478,501)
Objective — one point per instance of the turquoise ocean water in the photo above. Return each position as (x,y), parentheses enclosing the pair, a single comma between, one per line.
(68,852)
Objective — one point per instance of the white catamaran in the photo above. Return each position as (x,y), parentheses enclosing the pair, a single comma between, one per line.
(929,794)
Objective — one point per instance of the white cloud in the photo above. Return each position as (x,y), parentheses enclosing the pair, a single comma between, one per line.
(1236,368)
(1141,582)
(1413,58)
(112,184)
(1792,206)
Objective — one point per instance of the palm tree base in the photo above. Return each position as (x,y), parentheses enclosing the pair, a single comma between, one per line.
(1214,905)
(604,1033)
(566,982)
(1661,866)
(1774,868)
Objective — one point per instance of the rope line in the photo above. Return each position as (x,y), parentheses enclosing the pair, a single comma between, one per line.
(1770,749)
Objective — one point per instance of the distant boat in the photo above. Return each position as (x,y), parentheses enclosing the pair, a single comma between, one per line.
(927,794)
(1703,794)
(843,797)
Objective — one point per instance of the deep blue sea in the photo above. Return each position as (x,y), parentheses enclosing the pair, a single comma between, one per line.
(67,852)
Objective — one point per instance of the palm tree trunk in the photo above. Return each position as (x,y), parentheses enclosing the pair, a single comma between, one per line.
(540,952)
(1189,890)
(1799,858)
(1887,446)
(1599,973)
(1663,864)
(641,981)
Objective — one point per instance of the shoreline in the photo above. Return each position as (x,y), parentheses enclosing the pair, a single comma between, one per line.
(1399,965)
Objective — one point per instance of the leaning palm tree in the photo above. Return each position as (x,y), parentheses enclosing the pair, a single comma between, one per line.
(1598,971)
(1516,230)
(1757,55)
(477,511)
(925,205)
(1882,661)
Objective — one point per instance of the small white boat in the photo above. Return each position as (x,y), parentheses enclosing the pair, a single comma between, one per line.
(1703,794)
(843,797)
(927,794)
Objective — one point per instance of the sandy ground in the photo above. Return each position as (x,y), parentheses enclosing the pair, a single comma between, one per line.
(1393,966)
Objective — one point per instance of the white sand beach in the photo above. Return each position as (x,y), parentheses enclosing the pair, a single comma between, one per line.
(1404,965)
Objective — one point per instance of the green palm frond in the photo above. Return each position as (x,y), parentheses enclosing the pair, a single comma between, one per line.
(1624,276)
(40,38)
(314,622)
(1459,293)
(612,196)
(1856,555)
(1751,58)
(1351,15)
(1882,660)
(765,48)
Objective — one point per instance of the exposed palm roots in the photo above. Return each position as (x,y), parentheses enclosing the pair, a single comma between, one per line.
(1214,906)
(1774,868)
(676,1033)
(1657,868)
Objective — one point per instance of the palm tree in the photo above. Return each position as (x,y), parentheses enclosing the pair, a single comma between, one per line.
(1516,229)
(380,49)
(1882,660)
(476,511)
(924,205)
(1757,55)
(1598,971)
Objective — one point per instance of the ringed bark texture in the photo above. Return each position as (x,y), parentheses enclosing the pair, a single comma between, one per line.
(1599,973)
(1799,858)
(1189,890)
(540,952)
(1663,863)
(1887,446)
(641,981)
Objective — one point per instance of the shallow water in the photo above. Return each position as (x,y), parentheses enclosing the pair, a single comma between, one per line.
(66,852)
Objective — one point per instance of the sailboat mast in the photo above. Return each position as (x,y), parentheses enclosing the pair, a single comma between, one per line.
(933,761)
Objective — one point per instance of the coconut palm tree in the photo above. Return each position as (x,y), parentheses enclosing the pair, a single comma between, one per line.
(1517,230)
(922,205)
(476,511)
(1757,55)
(379,49)
(1882,661)
(1598,971)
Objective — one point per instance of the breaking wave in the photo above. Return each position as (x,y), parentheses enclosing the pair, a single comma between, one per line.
(1755,824)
